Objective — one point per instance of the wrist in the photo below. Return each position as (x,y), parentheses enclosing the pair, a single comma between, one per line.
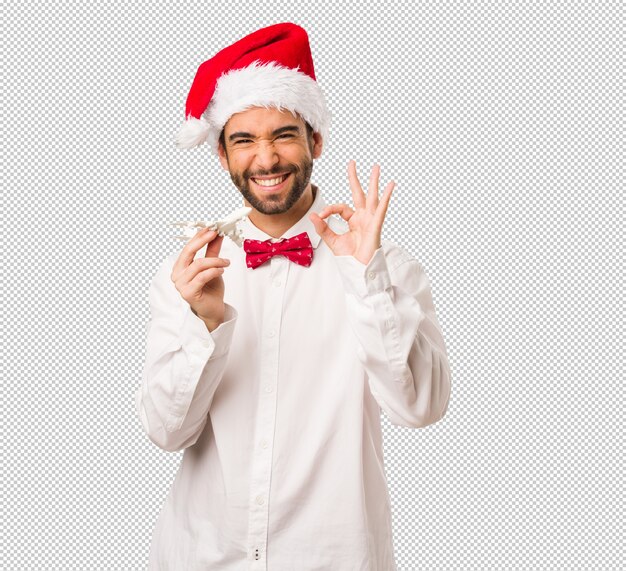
(210,322)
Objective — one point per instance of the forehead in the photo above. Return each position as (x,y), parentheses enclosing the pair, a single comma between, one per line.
(259,120)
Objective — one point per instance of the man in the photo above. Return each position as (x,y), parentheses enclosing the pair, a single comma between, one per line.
(269,365)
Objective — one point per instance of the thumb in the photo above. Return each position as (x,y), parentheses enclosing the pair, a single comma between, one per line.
(214,246)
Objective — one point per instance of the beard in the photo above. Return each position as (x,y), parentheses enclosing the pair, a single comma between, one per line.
(277,203)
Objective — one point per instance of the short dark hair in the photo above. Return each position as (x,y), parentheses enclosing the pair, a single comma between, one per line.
(309,135)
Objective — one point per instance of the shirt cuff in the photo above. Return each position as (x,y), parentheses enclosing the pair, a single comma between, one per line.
(194,332)
(364,280)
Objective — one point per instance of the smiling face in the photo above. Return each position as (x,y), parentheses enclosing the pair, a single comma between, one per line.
(269,144)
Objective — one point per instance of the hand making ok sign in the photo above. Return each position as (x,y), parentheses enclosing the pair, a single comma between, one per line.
(365,221)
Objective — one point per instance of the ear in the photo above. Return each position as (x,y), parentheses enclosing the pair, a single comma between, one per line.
(318,144)
(221,154)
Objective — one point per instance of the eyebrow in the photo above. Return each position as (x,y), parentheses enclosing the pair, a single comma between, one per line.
(278,131)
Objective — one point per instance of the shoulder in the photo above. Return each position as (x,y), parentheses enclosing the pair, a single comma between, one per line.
(396,255)
(168,263)
(162,277)
(163,273)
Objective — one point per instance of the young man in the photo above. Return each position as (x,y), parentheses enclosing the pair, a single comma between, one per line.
(269,365)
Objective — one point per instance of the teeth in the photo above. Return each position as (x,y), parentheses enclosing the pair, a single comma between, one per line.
(270,182)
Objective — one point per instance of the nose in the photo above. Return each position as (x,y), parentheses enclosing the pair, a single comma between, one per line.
(266,155)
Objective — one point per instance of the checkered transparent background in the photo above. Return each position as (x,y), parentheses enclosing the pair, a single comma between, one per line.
(501,123)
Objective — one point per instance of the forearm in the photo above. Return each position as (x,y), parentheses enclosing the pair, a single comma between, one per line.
(182,371)
(400,343)
(185,360)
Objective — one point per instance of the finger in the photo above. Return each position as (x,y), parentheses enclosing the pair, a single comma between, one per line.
(342,209)
(198,267)
(358,197)
(381,210)
(322,229)
(188,253)
(204,277)
(214,246)
(372,191)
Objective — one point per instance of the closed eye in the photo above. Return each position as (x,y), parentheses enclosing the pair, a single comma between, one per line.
(248,140)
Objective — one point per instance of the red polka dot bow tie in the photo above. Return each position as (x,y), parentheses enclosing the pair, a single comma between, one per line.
(297,248)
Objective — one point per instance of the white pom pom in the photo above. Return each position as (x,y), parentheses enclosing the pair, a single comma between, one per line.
(192,132)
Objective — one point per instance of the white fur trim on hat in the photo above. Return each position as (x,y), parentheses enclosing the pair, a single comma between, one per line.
(258,85)
(192,132)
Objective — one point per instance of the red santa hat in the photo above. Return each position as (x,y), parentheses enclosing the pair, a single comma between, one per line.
(271,67)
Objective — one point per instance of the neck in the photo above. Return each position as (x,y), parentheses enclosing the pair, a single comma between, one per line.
(275,225)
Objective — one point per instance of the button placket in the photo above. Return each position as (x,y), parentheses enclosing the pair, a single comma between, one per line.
(261,469)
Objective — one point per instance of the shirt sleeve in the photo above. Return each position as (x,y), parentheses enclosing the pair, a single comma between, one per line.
(184,364)
(400,342)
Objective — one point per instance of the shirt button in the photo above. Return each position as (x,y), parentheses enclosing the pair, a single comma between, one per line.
(259,500)
(371,275)
(268,389)
(270,333)
(264,443)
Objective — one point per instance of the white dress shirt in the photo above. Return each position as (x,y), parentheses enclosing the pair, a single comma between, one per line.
(278,409)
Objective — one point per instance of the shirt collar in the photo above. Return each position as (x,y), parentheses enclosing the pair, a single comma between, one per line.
(250,231)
